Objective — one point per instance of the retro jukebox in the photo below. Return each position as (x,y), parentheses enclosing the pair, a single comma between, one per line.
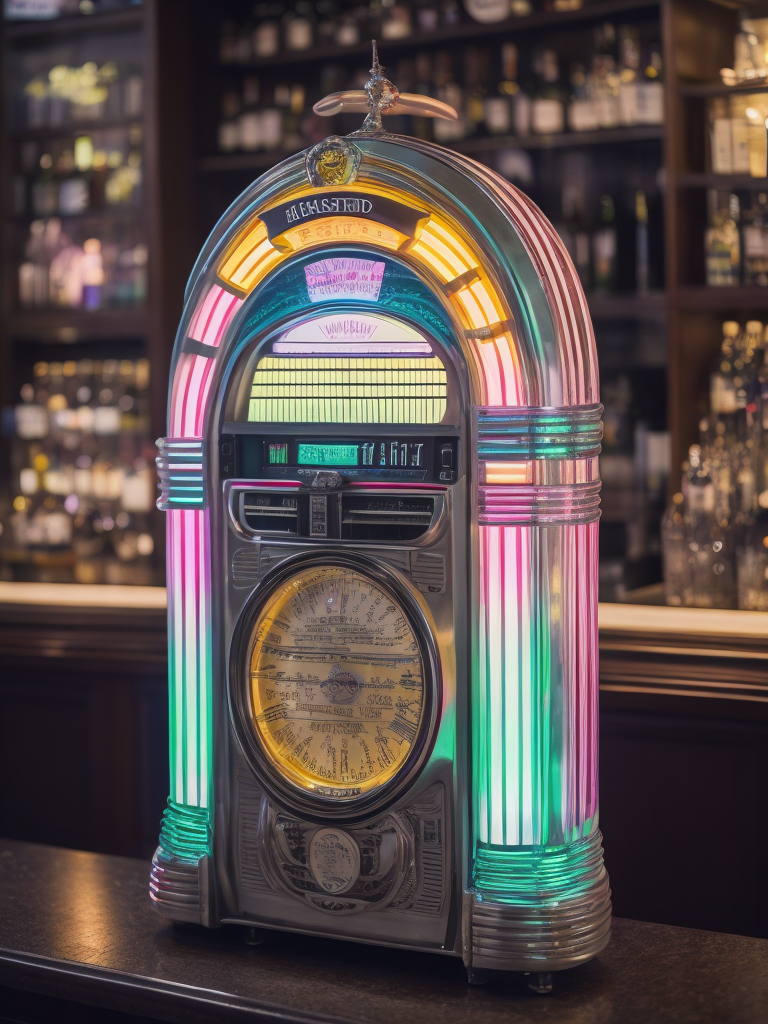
(382,496)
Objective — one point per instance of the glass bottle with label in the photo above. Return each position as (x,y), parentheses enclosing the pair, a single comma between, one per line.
(676,554)
(450,92)
(629,74)
(299,26)
(606,78)
(396,20)
(650,94)
(548,108)
(476,66)
(266,33)
(712,563)
(577,232)
(582,108)
(754,236)
(605,249)
(721,240)
(497,105)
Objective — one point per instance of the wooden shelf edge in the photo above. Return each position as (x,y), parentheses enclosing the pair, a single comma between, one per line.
(76,128)
(68,325)
(707,179)
(713,298)
(109,21)
(262,160)
(628,307)
(702,90)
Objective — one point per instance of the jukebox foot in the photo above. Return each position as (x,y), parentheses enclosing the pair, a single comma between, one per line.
(476,976)
(255,937)
(538,909)
(541,983)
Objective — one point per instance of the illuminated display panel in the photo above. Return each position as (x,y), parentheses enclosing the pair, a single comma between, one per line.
(349,368)
(337,682)
(348,390)
(327,454)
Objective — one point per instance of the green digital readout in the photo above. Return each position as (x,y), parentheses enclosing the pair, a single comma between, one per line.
(327,454)
(278,453)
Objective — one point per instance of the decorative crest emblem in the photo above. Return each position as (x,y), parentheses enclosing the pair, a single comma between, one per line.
(334,161)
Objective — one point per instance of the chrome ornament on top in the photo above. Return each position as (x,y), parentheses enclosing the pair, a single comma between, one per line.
(382,490)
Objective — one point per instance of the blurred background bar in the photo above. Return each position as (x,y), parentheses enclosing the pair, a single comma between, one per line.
(638,126)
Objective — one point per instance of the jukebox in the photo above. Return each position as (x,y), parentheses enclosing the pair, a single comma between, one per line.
(382,495)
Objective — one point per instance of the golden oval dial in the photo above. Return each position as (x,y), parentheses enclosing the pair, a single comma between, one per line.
(337,682)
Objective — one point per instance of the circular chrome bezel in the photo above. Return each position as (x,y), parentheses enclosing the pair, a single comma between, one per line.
(320,807)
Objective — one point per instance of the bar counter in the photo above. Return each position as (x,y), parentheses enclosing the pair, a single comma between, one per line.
(79,927)
(683,742)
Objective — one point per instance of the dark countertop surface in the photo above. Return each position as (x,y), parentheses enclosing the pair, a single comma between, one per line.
(80,927)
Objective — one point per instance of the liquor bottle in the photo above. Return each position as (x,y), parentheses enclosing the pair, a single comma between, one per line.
(606,79)
(476,64)
(249,121)
(266,34)
(427,15)
(604,249)
(395,20)
(761,431)
(327,13)
(582,108)
(548,107)
(271,117)
(752,562)
(299,26)
(292,118)
(92,274)
(721,240)
(229,125)
(450,13)
(676,553)
(642,275)
(577,232)
(629,74)
(754,237)
(423,126)
(650,94)
(497,105)
(713,568)
(722,386)
(350,26)
(450,92)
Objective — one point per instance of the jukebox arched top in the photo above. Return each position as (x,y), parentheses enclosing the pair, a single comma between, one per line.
(501,273)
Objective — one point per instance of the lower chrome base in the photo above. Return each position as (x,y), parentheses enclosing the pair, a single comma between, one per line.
(178,888)
(538,920)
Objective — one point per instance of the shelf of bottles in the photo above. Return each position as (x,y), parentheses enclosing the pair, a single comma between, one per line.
(715,532)
(79,240)
(504,92)
(78,505)
(82,464)
(728,187)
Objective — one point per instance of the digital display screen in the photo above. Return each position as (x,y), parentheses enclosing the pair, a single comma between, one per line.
(278,453)
(327,454)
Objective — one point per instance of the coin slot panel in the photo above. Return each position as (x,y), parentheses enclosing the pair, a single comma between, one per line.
(271,513)
(385,517)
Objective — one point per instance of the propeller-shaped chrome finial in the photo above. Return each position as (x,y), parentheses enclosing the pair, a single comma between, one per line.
(380,97)
(382,94)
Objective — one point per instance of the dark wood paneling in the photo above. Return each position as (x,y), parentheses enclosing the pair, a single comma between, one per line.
(83,727)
